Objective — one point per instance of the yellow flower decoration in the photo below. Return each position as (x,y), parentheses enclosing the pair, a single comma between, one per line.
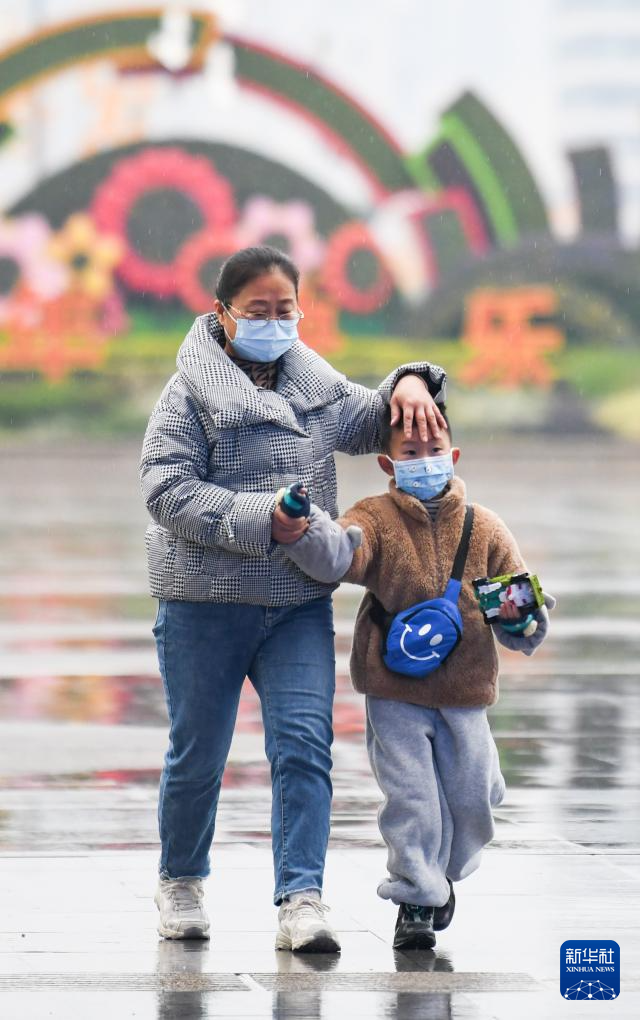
(89,255)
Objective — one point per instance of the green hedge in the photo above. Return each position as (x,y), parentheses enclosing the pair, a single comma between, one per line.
(118,399)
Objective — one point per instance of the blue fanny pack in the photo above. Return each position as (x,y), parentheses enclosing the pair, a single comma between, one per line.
(418,639)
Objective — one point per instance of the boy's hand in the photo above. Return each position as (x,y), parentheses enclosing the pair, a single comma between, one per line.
(285,529)
(519,643)
(325,551)
(411,400)
(509,611)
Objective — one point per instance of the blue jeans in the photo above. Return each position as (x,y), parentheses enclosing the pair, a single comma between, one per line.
(205,650)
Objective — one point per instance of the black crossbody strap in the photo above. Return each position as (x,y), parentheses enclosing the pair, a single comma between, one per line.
(463,548)
(379,615)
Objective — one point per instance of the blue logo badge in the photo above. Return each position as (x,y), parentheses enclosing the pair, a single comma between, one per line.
(590,969)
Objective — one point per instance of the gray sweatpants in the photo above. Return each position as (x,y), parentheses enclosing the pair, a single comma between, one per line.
(439,771)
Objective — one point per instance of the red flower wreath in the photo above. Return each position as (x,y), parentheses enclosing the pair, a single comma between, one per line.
(346,242)
(194,261)
(160,169)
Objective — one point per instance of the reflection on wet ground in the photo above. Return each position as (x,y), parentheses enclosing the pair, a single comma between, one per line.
(498,961)
(82,705)
(83,731)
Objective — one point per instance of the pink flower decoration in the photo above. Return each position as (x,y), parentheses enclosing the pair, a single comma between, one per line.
(113,318)
(266,222)
(25,262)
(160,169)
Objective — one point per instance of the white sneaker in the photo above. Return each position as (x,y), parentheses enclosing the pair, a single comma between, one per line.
(303,927)
(182,914)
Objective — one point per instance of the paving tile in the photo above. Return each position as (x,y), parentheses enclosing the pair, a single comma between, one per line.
(80,757)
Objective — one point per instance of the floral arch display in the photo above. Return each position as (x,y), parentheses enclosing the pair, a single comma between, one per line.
(124,244)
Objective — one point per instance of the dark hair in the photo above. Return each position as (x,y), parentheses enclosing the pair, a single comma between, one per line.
(386,429)
(248,263)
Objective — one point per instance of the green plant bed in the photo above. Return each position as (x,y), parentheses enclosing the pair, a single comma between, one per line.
(599,371)
(26,399)
(593,371)
(363,358)
(146,353)
(94,403)
(152,342)
(372,357)
(118,399)
(620,413)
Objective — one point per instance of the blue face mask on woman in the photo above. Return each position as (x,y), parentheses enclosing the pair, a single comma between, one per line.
(423,477)
(263,339)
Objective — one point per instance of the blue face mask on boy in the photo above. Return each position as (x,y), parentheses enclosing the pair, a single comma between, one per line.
(423,477)
(263,340)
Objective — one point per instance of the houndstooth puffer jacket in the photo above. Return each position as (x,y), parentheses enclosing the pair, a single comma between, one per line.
(217,449)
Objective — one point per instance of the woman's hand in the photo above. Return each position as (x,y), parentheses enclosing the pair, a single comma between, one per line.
(285,529)
(412,401)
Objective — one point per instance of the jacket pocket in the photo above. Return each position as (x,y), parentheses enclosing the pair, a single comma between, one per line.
(161,548)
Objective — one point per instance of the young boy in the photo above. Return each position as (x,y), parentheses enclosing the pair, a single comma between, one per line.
(428,738)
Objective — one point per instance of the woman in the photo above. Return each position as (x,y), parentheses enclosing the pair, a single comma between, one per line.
(249,410)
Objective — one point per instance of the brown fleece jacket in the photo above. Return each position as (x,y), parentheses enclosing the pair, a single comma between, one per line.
(406,558)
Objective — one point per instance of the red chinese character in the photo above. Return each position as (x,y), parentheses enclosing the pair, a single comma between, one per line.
(508,348)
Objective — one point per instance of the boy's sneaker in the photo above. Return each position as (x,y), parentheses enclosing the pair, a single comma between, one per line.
(414,927)
(182,914)
(303,928)
(442,916)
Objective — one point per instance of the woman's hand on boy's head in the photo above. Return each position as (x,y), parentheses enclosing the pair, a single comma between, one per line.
(285,529)
(412,402)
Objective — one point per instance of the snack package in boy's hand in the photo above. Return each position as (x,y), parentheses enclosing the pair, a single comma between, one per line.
(522,590)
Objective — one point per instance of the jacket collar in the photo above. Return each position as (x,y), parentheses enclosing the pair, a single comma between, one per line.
(454,497)
(305,381)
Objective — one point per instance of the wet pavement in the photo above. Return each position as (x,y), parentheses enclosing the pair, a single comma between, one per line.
(83,729)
